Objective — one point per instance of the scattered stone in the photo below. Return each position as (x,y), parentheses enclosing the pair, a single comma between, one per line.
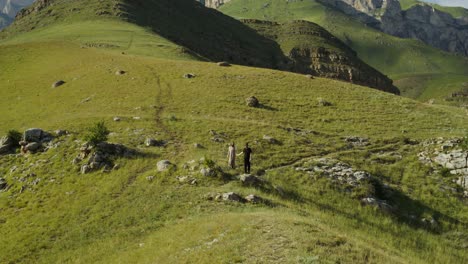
(231,196)
(270,139)
(250,180)
(150,178)
(187,179)
(207,172)
(189,76)
(76,161)
(223,64)
(6,145)
(33,147)
(323,102)
(163,165)
(251,198)
(453,160)
(357,141)
(197,146)
(217,139)
(309,76)
(120,72)
(60,132)
(116,167)
(136,118)
(58,83)
(85,169)
(336,171)
(252,101)
(151,142)
(117,119)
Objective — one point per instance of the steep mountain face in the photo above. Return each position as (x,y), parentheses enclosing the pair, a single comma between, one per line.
(314,50)
(9,9)
(423,22)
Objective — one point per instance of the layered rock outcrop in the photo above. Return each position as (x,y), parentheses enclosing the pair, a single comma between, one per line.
(421,21)
(313,50)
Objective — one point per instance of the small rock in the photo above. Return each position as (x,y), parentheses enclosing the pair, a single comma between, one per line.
(60,132)
(151,142)
(58,83)
(33,147)
(116,167)
(85,169)
(231,196)
(197,146)
(207,172)
(76,161)
(357,141)
(250,180)
(136,118)
(251,198)
(187,179)
(223,64)
(117,119)
(252,101)
(120,72)
(189,76)
(323,102)
(163,165)
(150,178)
(309,76)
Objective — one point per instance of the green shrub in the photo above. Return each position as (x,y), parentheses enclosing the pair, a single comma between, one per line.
(97,133)
(15,136)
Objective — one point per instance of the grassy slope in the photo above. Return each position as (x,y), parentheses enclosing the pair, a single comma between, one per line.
(398,58)
(454,11)
(120,216)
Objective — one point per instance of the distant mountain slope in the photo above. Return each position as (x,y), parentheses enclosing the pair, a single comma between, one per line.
(396,57)
(420,21)
(9,8)
(200,32)
(314,50)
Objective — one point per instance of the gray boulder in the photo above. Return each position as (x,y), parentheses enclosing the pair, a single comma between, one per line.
(33,135)
(252,198)
(163,165)
(151,142)
(252,101)
(223,64)
(231,196)
(382,205)
(207,172)
(58,83)
(61,133)
(33,147)
(250,180)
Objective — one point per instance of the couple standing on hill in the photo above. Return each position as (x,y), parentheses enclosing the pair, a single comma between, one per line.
(247,157)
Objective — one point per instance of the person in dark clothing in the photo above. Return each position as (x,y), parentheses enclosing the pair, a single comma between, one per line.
(247,157)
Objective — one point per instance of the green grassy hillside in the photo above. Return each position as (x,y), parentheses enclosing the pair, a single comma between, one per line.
(52,213)
(122,217)
(454,11)
(202,32)
(398,58)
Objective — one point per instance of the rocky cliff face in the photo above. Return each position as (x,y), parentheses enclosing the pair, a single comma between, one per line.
(313,50)
(9,9)
(423,22)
